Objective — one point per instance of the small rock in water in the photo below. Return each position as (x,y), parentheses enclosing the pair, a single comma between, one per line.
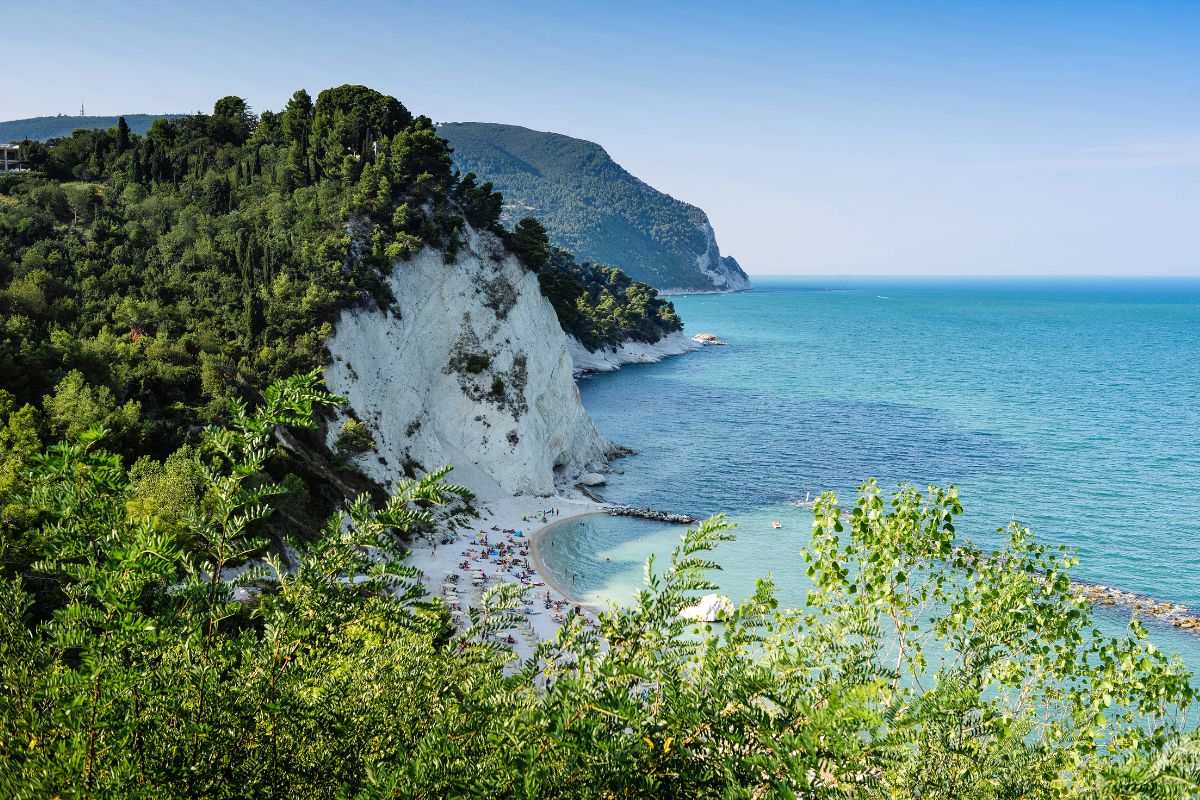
(707,338)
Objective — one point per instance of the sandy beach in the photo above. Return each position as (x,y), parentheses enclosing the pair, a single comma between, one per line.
(502,546)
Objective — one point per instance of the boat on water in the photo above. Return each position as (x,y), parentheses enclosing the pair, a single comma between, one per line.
(776,524)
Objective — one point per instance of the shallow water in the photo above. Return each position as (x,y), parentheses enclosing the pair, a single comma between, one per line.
(1069,406)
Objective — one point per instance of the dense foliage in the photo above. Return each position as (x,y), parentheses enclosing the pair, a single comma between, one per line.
(146,281)
(602,306)
(589,203)
(134,664)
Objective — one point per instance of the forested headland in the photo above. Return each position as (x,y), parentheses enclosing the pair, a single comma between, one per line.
(147,281)
(594,207)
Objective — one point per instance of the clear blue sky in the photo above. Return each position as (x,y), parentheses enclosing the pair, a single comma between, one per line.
(841,137)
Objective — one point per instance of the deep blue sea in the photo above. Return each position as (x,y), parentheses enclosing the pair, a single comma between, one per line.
(1070,406)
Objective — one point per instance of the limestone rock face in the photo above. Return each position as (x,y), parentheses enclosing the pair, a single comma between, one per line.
(630,352)
(724,271)
(470,368)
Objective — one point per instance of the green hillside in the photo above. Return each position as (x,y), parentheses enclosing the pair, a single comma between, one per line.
(163,275)
(42,128)
(589,204)
(593,207)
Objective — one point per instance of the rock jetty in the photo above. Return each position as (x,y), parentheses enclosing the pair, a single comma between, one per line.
(649,513)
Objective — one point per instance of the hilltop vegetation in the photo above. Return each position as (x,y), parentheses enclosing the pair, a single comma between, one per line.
(594,208)
(592,302)
(146,281)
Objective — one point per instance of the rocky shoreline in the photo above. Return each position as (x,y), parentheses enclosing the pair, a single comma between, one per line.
(607,360)
(1176,614)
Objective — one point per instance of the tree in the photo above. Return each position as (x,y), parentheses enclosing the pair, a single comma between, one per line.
(348,119)
(531,244)
(297,127)
(420,159)
(20,442)
(297,118)
(77,406)
(122,135)
(481,204)
(231,122)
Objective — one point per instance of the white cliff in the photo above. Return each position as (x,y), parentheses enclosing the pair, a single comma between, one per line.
(725,274)
(631,352)
(470,368)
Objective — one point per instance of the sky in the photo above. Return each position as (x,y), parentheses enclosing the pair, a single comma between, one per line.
(929,138)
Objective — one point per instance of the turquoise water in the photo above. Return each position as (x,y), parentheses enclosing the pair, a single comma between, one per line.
(1069,406)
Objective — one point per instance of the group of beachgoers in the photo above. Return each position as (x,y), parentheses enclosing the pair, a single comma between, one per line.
(507,549)
(510,556)
(540,516)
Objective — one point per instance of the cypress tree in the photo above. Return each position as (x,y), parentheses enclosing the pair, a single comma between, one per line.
(122,135)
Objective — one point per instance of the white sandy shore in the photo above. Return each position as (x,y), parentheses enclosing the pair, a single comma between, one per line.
(440,562)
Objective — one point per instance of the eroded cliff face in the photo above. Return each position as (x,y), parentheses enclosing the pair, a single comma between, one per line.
(631,352)
(724,271)
(472,369)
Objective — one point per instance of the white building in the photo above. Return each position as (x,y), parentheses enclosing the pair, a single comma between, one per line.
(10,157)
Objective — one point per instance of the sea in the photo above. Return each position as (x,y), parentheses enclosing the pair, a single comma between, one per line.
(1071,406)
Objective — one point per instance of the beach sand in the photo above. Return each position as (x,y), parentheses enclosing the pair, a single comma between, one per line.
(439,562)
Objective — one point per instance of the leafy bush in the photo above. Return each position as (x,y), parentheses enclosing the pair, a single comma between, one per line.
(353,440)
(147,659)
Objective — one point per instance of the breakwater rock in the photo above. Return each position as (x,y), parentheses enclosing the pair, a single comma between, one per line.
(649,513)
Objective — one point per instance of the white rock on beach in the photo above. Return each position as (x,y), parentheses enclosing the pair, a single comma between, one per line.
(709,608)
(592,479)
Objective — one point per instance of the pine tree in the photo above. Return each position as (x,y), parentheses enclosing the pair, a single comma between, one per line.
(531,244)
